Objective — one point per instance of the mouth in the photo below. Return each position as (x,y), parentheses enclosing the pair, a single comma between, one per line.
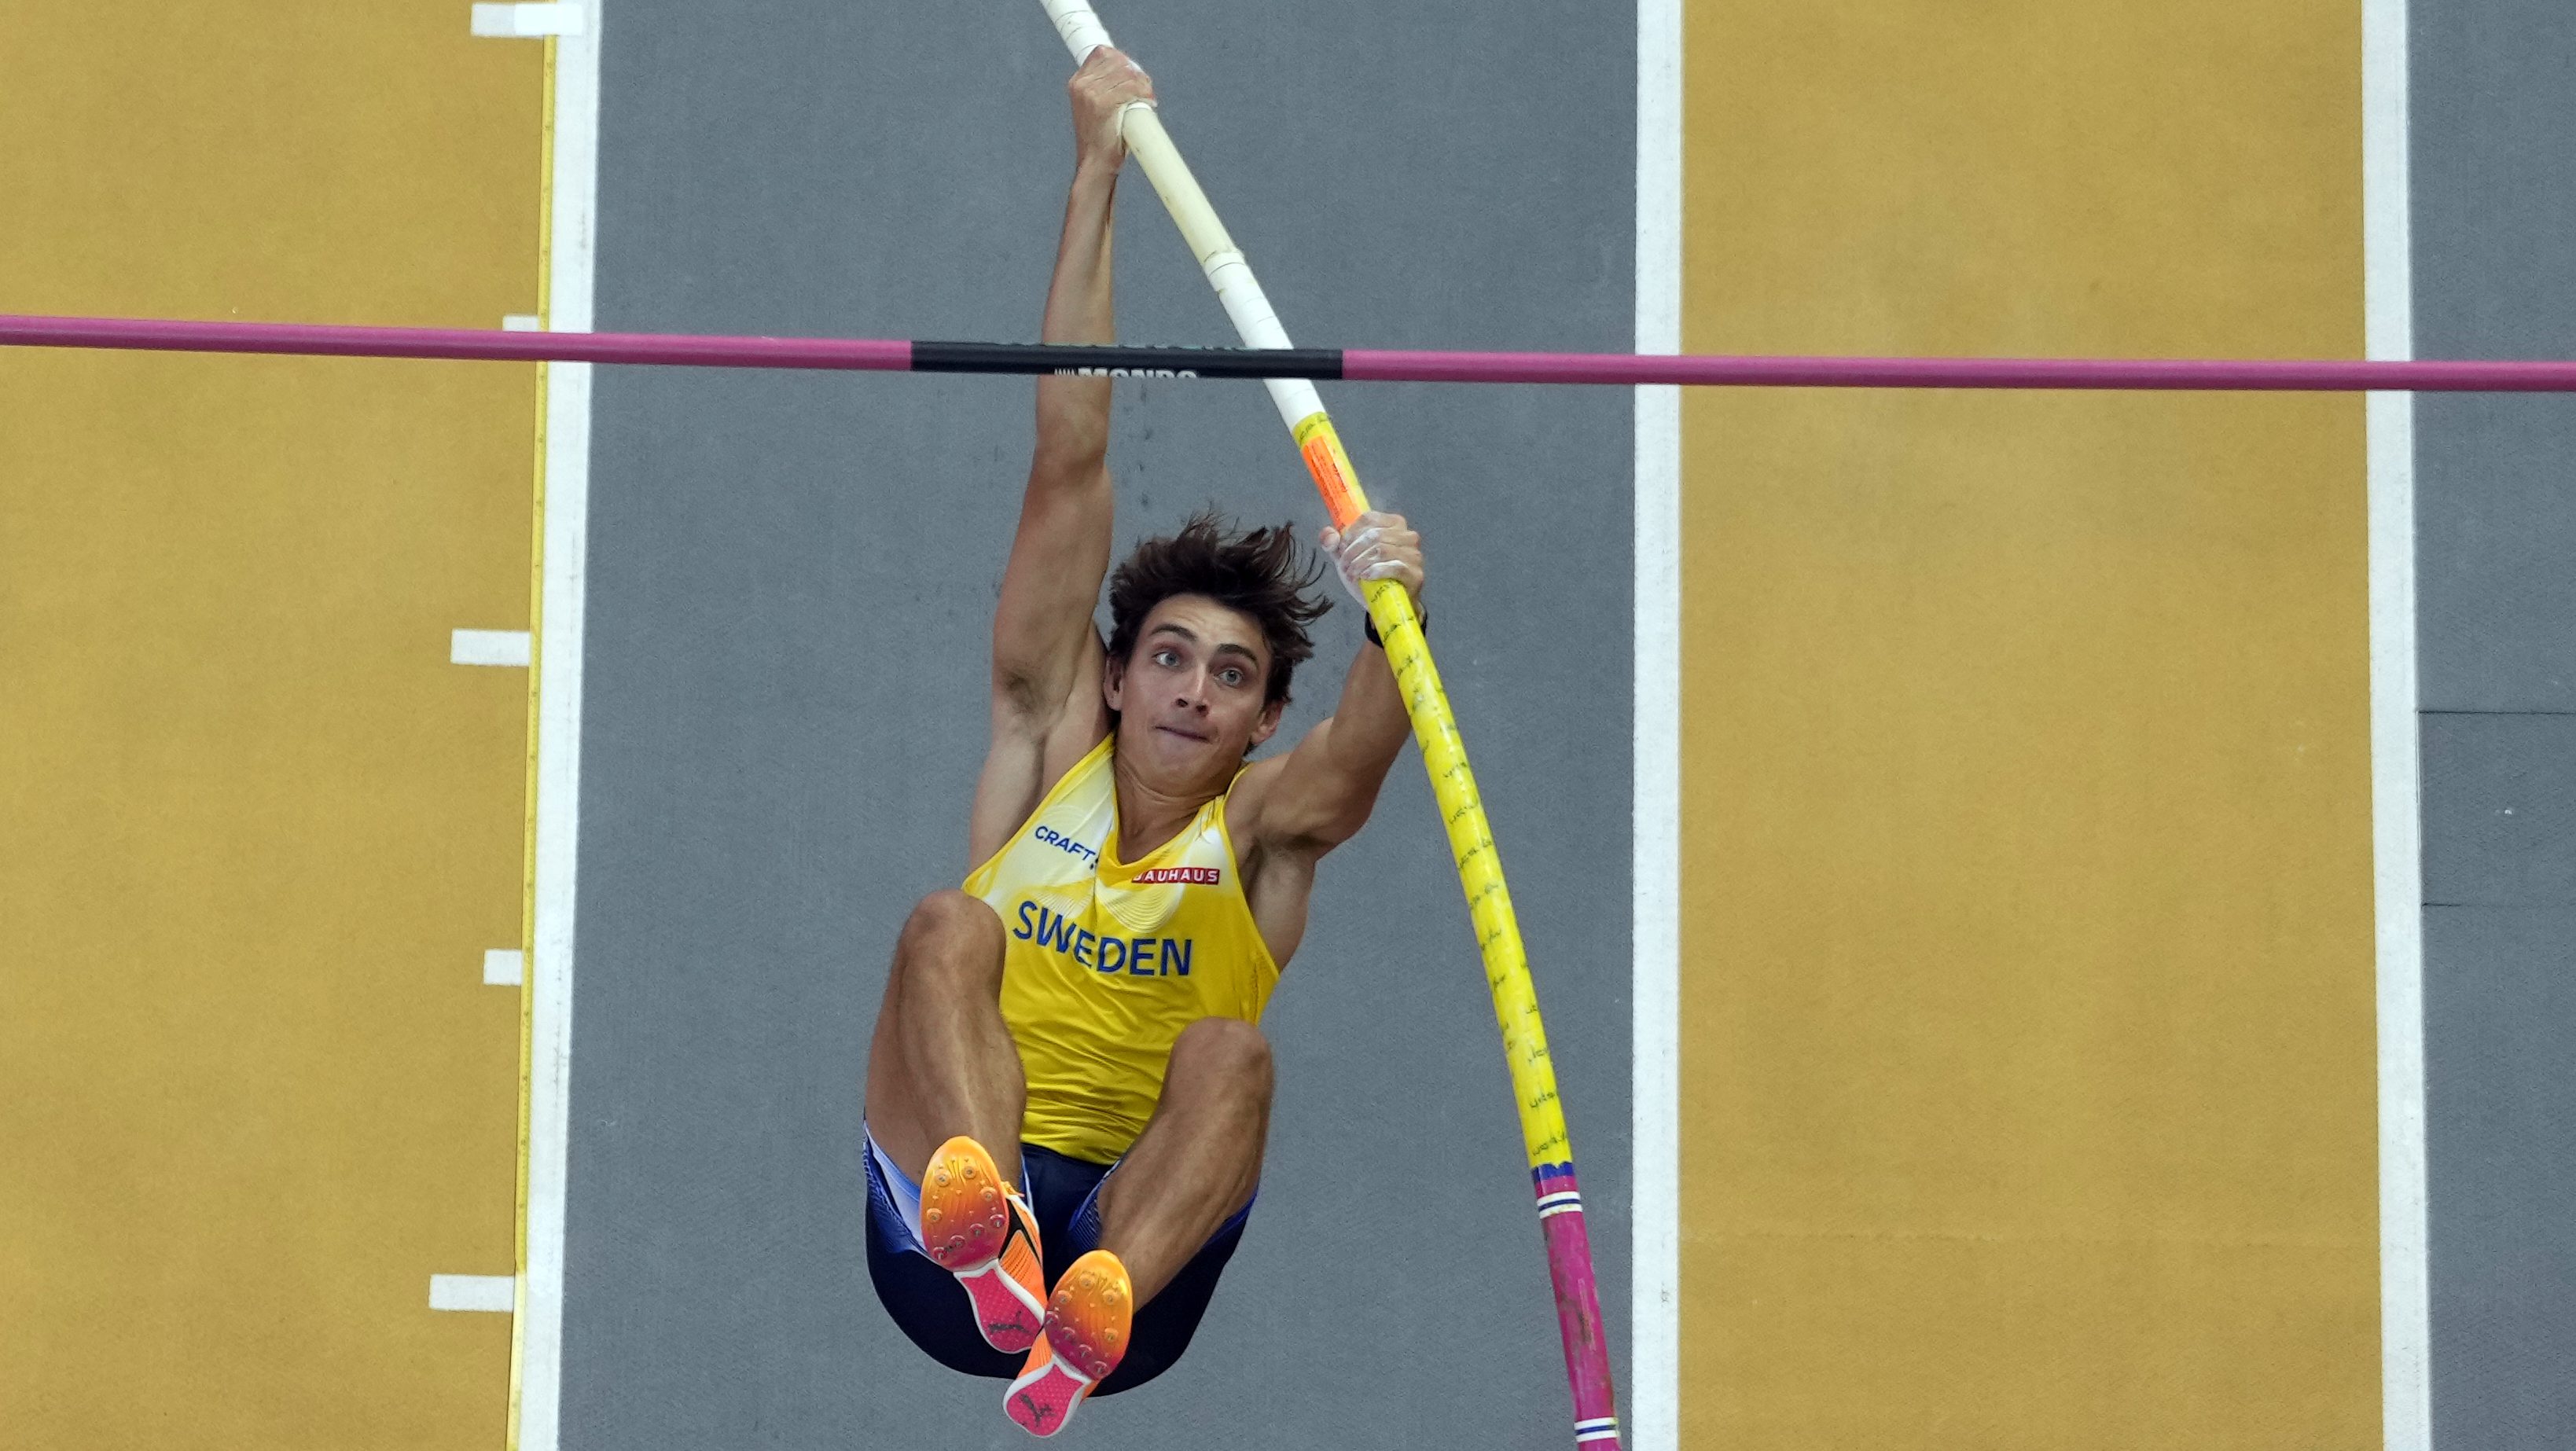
(1184,735)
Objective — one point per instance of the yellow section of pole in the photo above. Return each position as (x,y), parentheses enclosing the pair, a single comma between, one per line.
(1462,809)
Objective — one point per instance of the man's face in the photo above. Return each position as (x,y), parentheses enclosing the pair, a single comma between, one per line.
(1192,697)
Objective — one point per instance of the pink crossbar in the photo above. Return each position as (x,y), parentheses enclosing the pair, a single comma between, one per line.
(1709,370)
(1378,364)
(319,340)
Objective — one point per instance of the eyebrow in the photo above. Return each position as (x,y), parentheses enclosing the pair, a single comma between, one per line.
(1185,632)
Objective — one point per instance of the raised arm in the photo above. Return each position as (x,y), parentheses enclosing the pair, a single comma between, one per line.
(1046,655)
(1319,795)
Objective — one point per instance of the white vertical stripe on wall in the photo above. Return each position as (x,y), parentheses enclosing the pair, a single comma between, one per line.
(572,249)
(1654,1390)
(2405,1321)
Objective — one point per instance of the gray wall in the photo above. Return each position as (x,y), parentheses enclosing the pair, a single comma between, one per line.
(2495,276)
(790,583)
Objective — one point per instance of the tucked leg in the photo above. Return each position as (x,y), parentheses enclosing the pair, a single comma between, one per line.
(1198,1160)
(942,1061)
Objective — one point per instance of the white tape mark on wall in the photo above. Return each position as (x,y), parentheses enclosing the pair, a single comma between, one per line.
(504,967)
(492,1293)
(510,22)
(488,647)
(522,322)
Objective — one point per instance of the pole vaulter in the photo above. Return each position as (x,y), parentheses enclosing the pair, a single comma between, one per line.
(1435,729)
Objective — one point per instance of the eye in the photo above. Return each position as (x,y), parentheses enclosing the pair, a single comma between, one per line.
(1167,658)
(1231,675)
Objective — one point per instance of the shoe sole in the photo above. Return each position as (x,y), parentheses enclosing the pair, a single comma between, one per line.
(966,1212)
(1086,1334)
(1043,1399)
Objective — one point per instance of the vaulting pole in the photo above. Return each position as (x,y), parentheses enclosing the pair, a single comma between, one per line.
(1471,841)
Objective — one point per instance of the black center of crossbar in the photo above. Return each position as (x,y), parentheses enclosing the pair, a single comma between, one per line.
(1126,362)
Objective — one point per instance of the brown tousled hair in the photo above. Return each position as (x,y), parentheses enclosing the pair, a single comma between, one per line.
(1262,572)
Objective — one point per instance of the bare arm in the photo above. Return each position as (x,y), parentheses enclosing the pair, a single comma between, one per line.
(1320,795)
(1046,655)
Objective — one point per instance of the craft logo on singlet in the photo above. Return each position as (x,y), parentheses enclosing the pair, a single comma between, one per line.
(1195,876)
(1061,842)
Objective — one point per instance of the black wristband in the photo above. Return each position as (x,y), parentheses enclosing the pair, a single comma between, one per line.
(1421,621)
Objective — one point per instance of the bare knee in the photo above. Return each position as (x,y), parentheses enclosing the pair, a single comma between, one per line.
(1225,1050)
(949,930)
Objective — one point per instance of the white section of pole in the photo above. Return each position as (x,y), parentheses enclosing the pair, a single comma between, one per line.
(1295,398)
(1237,290)
(1189,205)
(1080,26)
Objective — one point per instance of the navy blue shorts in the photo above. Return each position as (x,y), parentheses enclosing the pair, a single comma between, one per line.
(932,1308)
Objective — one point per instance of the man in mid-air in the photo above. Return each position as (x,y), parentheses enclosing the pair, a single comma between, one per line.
(1067,1093)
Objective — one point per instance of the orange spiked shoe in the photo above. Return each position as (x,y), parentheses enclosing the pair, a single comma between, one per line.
(1086,1332)
(976,1226)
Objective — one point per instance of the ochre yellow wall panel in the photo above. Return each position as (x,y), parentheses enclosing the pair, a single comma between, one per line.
(2028,1039)
(255,830)
(279,160)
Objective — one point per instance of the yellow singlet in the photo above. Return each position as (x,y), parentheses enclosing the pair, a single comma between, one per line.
(1107,961)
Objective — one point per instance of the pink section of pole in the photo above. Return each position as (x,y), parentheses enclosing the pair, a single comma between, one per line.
(1578,1323)
(314,340)
(2154,374)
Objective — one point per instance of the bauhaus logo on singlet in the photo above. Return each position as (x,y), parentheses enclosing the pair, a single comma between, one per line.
(1195,876)
(1134,956)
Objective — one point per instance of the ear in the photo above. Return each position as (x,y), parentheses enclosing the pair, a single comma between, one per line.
(1268,725)
(1113,683)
